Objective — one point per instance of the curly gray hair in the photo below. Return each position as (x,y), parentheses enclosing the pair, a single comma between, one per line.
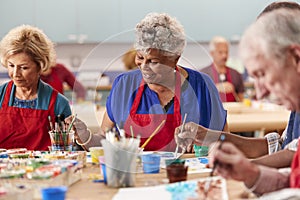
(160,31)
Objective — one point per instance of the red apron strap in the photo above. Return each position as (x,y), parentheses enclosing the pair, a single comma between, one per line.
(228,75)
(295,173)
(215,73)
(7,94)
(138,97)
(53,98)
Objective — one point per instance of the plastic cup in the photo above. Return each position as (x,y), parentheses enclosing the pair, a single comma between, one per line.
(120,162)
(103,168)
(151,163)
(54,193)
(95,153)
(200,151)
(177,172)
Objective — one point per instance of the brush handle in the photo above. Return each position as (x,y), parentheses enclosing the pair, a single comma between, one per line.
(153,134)
(72,122)
(216,162)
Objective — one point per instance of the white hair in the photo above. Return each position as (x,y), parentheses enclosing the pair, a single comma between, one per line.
(271,35)
(160,31)
(217,40)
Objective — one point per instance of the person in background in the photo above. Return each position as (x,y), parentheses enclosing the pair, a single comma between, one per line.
(272,144)
(26,102)
(57,75)
(269,48)
(229,82)
(129,59)
(160,93)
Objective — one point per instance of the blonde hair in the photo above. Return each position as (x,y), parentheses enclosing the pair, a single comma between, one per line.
(129,59)
(30,40)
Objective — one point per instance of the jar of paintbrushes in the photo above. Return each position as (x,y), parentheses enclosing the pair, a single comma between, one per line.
(120,160)
(61,135)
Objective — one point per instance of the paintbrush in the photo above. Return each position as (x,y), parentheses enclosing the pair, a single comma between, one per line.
(181,130)
(153,134)
(131,131)
(216,162)
(50,122)
(72,122)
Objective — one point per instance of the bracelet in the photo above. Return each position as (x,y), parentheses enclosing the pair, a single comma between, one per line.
(250,190)
(88,140)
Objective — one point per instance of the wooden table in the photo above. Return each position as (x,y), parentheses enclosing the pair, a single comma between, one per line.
(264,117)
(86,189)
(241,118)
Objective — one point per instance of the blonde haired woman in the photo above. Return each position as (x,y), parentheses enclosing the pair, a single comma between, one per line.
(26,102)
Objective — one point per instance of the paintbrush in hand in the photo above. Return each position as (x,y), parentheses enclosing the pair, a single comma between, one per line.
(216,162)
(181,130)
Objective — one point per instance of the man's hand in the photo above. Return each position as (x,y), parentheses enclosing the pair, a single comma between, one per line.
(232,164)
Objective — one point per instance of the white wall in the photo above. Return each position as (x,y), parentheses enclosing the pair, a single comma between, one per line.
(104,56)
(89,61)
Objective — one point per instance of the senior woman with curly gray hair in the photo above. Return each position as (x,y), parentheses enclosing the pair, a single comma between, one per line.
(160,89)
(156,97)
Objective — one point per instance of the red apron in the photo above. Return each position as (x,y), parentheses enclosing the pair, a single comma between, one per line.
(295,174)
(25,127)
(145,124)
(225,97)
